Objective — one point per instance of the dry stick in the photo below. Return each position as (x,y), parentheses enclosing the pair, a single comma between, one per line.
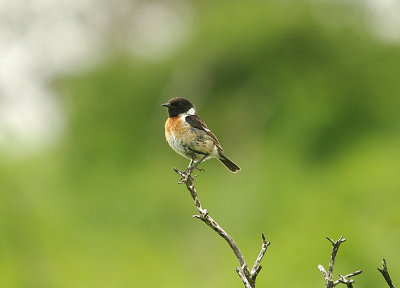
(346,279)
(349,282)
(385,274)
(248,277)
(328,276)
(257,267)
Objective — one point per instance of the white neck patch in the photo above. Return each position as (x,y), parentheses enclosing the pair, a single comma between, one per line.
(191,111)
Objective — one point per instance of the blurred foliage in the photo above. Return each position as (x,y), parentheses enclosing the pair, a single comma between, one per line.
(308,108)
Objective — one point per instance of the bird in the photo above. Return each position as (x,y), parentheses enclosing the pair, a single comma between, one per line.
(189,136)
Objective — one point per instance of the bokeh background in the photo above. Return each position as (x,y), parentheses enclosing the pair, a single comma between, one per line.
(303,95)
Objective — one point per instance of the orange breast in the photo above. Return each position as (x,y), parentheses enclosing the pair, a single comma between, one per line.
(175,128)
(179,134)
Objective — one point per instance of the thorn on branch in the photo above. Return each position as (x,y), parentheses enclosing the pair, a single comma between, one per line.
(385,273)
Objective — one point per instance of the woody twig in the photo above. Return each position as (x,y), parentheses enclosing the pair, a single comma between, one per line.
(248,276)
(385,274)
(328,276)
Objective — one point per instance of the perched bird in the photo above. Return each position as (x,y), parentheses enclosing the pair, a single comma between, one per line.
(189,136)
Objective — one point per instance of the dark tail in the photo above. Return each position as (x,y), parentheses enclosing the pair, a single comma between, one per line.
(228,163)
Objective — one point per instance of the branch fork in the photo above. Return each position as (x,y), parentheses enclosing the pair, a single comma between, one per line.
(328,276)
(385,273)
(248,276)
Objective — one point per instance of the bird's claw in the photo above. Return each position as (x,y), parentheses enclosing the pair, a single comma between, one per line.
(190,170)
(185,176)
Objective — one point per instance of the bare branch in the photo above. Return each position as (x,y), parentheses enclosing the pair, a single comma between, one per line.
(247,277)
(243,277)
(348,282)
(257,267)
(335,248)
(385,274)
(353,274)
(328,276)
(346,279)
(323,271)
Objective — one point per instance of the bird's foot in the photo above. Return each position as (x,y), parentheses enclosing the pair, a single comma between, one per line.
(180,172)
(190,169)
(185,175)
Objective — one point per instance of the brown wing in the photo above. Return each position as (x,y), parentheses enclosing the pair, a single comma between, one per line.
(198,123)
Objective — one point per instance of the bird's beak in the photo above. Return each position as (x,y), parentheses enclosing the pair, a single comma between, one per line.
(166,105)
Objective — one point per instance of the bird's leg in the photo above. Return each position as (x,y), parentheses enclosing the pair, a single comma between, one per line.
(185,174)
(191,162)
(190,169)
(200,169)
(188,172)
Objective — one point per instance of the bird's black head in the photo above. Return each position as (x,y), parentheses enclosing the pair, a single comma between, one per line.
(178,106)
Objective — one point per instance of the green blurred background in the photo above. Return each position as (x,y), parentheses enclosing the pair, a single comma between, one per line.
(303,95)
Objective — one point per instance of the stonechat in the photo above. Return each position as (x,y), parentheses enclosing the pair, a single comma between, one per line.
(189,136)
